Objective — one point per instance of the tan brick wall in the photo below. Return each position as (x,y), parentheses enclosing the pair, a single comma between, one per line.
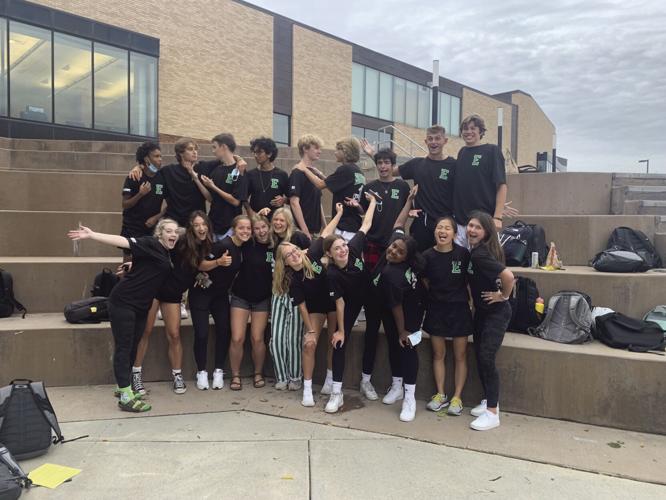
(216,61)
(486,107)
(535,130)
(418,135)
(322,91)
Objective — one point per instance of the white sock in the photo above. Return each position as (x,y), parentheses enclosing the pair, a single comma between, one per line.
(307,384)
(409,391)
(218,370)
(329,376)
(175,372)
(136,369)
(365,377)
(397,381)
(337,387)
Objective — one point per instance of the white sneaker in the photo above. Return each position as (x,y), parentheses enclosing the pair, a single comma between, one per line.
(368,391)
(334,402)
(408,411)
(295,384)
(202,380)
(361,315)
(480,409)
(308,399)
(395,393)
(488,420)
(281,386)
(183,312)
(218,379)
(159,314)
(327,388)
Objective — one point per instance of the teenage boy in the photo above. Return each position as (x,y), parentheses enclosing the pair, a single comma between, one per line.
(267,185)
(480,182)
(304,197)
(224,177)
(345,184)
(433,174)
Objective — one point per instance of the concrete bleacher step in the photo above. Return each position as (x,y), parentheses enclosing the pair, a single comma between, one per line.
(626,199)
(633,294)
(639,179)
(589,383)
(652,207)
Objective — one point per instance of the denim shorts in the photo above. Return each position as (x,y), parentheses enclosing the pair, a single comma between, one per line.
(261,306)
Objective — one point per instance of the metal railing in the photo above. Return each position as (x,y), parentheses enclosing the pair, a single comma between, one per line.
(391,129)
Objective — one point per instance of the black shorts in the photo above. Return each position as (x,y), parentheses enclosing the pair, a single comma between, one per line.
(448,320)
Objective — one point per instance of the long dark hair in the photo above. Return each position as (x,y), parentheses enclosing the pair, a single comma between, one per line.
(490,238)
(413,258)
(192,249)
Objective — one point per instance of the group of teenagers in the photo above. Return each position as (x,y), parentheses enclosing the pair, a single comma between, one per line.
(280,261)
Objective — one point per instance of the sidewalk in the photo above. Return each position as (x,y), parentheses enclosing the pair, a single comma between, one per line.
(261,443)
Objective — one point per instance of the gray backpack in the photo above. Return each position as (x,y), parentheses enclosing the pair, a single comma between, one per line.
(568,320)
(658,315)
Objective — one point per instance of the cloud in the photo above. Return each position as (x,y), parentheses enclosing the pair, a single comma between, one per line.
(597,68)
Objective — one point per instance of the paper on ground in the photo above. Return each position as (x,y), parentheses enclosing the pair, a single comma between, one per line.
(51,475)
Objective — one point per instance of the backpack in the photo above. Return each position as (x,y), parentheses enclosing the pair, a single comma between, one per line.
(618,261)
(519,240)
(568,320)
(632,240)
(26,419)
(91,310)
(523,299)
(104,283)
(12,477)
(657,315)
(8,302)
(622,332)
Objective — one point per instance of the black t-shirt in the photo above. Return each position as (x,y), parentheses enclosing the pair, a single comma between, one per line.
(181,192)
(446,273)
(393,197)
(483,276)
(263,186)
(435,181)
(181,276)
(400,285)
(346,182)
(309,199)
(223,277)
(150,267)
(222,212)
(314,292)
(479,172)
(134,219)
(255,278)
(350,282)
(298,238)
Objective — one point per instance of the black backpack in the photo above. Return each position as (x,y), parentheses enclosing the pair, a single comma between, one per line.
(523,300)
(519,240)
(622,332)
(91,310)
(26,419)
(618,261)
(12,477)
(632,240)
(8,302)
(104,283)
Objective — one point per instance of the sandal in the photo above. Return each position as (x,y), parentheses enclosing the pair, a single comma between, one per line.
(134,405)
(236,383)
(259,381)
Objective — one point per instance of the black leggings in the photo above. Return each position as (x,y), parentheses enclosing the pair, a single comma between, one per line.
(372,321)
(127,326)
(404,361)
(215,303)
(351,313)
(489,329)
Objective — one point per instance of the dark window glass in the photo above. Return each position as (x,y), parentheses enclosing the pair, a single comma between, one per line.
(3,66)
(143,95)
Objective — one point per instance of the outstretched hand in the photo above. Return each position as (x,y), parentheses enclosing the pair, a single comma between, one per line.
(82,233)
(367,147)
(509,211)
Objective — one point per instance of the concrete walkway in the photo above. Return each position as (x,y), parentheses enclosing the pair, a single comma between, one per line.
(261,443)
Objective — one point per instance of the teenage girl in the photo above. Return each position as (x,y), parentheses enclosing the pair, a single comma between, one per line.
(348,285)
(190,250)
(131,298)
(210,296)
(251,299)
(283,228)
(491,284)
(302,274)
(447,311)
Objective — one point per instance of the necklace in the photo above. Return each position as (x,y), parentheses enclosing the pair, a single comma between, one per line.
(261,180)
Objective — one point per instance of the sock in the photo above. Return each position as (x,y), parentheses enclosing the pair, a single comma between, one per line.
(365,377)
(175,372)
(337,387)
(397,381)
(126,394)
(136,369)
(409,391)
(218,370)
(307,384)
(329,376)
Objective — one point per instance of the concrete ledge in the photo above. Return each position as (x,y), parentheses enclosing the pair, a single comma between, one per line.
(589,383)
(630,293)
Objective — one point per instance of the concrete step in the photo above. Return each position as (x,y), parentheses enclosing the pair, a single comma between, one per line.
(538,377)
(47,234)
(652,207)
(633,294)
(581,237)
(660,244)
(639,179)
(622,194)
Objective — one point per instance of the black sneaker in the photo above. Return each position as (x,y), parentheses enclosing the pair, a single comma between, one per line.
(179,386)
(137,384)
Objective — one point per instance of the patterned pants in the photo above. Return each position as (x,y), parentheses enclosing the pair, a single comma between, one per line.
(286,338)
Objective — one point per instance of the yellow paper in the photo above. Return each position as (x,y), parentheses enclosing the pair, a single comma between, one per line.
(51,475)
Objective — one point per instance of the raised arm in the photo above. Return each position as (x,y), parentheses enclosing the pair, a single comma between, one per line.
(369,213)
(85,233)
(318,182)
(332,226)
(189,166)
(401,220)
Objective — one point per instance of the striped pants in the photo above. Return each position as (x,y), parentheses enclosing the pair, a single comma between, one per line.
(286,338)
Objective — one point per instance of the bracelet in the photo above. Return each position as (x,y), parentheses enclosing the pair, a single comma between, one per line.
(498,218)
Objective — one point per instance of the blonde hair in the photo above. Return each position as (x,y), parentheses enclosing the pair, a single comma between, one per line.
(255,219)
(307,141)
(281,275)
(289,231)
(351,149)
(159,228)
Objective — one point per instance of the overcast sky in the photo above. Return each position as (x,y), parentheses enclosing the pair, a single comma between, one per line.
(596,67)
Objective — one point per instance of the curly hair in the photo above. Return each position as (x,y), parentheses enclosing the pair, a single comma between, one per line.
(143,151)
(265,144)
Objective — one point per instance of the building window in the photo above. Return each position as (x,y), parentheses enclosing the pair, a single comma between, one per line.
(143,95)
(281,129)
(72,84)
(445,111)
(358,88)
(379,139)
(425,107)
(30,72)
(111,93)
(3,67)
(399,100)
(371,92)
(411,104)
(385,96)
(455,115)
